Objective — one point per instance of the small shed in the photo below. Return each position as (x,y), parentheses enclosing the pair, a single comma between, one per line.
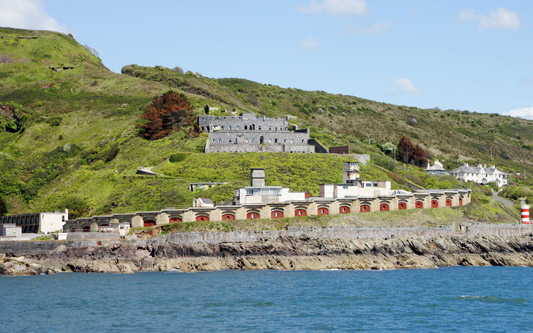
(10,230)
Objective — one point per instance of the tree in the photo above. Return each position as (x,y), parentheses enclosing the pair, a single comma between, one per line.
(166,113)
(419,156)
(177,69)
(206,109)
(3,207)
(405,149)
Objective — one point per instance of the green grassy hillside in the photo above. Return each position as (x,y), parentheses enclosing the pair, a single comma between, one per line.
(79,147)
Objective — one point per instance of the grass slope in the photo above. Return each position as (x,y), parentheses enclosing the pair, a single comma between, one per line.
(79,117)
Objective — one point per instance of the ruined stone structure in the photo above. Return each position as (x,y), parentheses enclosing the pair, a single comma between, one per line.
(250,133)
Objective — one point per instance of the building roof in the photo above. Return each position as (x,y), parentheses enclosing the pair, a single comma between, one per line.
(437,166)
(478,169)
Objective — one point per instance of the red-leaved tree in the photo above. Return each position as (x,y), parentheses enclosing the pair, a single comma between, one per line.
(169,112)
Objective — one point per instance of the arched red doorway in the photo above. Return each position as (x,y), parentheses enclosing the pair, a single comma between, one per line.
(252,216)
(344,210)
(149,223)
(323,211)
(434,203)
(365,208)
(384,207)
(87,229)
(276,214)
(402,205)
(460,201)
(300,212)
(419,204)
(174,220)
(202,218)
(228,217)
(448,202)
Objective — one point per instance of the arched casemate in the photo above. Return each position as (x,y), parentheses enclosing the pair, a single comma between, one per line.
(300,212)
(276,214)
(434,203)
(344,210)
(448,202)
(175,220)
(402,205)
(252,215)
(228,217)
(323,211)
(149,223)
(419,204)
(384,207)
(202,218)
(365,208)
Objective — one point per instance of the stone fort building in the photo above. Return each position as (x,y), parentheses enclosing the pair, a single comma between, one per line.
(251,133)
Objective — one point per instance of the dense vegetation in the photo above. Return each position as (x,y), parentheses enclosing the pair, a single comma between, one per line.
(80,140)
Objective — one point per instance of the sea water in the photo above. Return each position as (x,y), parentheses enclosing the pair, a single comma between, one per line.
(446,299)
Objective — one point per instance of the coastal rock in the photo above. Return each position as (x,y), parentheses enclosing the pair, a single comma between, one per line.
(282,253)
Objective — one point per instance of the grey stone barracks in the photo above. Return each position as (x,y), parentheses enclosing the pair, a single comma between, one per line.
(250,133)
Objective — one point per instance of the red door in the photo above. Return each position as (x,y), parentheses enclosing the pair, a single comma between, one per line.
(228,217)
(402,205)
(300,212)
(344,210)
(365,208)
(252,216)
(323,211)
(384,207)
(276,214)
(202,218)
(149,223)
(460,201)
(419,204)
(174,220)
(434,203)
(448,202)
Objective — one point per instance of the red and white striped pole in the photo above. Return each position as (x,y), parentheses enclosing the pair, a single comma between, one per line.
(525,213)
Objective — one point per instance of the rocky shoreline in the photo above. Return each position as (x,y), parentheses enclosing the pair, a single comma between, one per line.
(281,253)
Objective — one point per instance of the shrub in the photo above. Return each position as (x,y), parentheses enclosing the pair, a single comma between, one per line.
(178,157)
(54,121)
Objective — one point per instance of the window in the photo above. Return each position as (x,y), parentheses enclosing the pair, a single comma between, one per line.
(259,127)
(238,127)
(230,128)
(276,128)
(292,140)
(246,140)
(270,128)
(275,140)
(219,140)
(269,140)
(229,140)
(284,140)
(214,140)
(253,140)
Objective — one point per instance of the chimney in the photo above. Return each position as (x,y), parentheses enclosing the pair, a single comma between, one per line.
(257,177)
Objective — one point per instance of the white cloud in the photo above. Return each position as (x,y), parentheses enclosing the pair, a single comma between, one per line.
(499,19)
(526,113)
(335,7)
(27,14)
(310,44)
(405,85)
(377,28)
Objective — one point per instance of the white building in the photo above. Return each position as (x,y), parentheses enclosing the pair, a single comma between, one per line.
(436,169)
(480,174)
(44,222)
(258,193)
(353,187)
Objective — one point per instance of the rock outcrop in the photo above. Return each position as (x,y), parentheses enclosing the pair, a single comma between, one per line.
(283,253)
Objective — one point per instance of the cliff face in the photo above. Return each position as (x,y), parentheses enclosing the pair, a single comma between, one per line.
(282,253)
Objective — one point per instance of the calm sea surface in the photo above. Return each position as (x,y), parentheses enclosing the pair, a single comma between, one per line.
(445,299)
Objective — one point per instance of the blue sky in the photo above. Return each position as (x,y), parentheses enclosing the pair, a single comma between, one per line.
(465,55)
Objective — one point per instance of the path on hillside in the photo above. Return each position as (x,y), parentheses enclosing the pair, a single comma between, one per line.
(506,202)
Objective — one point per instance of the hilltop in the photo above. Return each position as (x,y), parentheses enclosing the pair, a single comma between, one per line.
(79,146)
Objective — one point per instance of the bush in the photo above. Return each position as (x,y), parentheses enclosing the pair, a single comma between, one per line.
(178,157)
(54,121)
